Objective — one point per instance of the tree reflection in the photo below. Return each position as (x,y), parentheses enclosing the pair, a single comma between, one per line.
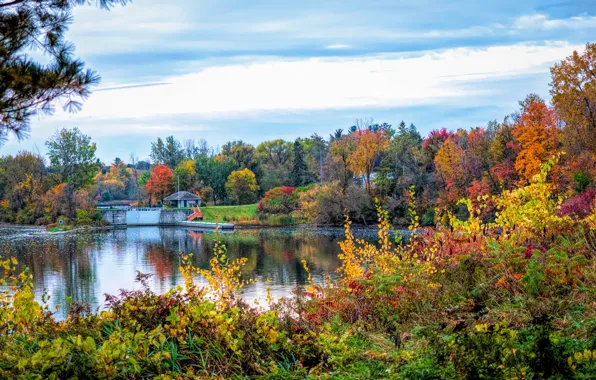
(84,266)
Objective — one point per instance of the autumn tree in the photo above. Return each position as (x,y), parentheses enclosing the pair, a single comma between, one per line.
(502,154)
(538,138)
(118,183)
(450,168)
(242,186)
(573,91)
(160,183)
(22,181)
(340,150)
(369,146)
(29,87)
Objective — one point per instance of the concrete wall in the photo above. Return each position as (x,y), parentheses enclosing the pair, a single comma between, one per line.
(115,217)
(145,216)
(173,216)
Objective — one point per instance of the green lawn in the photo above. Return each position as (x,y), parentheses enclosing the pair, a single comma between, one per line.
(237,214)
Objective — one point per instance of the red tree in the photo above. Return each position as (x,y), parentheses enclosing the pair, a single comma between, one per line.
(160,182)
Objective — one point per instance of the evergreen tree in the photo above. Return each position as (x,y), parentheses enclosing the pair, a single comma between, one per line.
(28,87)
(299,176)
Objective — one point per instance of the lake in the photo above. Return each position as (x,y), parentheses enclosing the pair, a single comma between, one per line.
(87,265)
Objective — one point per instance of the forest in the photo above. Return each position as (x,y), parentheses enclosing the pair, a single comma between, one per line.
(316,179)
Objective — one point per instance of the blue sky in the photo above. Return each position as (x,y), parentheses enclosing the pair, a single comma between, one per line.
(261,70)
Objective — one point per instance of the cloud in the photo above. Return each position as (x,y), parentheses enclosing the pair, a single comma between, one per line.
(338,46)
(543,22)
(317,84)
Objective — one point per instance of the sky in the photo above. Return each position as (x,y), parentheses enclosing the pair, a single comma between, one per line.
(261,70)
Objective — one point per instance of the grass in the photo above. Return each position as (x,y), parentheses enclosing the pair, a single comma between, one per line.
(244,214)
(61,228)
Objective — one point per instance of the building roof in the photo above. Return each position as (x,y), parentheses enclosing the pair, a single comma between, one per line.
(183,196)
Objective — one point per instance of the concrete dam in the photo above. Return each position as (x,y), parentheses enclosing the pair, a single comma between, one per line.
(145,216)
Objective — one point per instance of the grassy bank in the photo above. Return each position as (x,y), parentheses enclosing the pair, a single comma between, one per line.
(244,214)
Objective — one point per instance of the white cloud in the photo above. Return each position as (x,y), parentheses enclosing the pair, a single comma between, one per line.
(319,84)
(541,21)
(338,46)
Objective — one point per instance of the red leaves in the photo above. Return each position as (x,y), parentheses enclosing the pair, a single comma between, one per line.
(160,181)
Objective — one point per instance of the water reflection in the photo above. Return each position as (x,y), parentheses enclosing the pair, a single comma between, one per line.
(85,266)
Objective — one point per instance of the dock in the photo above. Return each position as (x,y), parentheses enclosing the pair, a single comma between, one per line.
(206,225)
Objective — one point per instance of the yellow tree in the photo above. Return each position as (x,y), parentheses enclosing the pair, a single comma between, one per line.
(573,94)
(369,145)
(451,170)
(340,150)
(242,186)
(538,137)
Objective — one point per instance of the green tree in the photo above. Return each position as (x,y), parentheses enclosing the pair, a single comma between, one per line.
(185,175)
(242,186)
(214,172)
(72,156)
(299,176)
(275,157)
(169,153)
(28,87)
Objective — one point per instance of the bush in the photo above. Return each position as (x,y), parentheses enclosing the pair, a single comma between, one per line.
(83,218)
(25,217)
(280,200)
(579,206)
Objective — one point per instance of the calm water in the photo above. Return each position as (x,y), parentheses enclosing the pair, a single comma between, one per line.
(85,266)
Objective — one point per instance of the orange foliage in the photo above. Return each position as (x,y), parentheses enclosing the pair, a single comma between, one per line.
(370,145)
(160,182)
(538,136)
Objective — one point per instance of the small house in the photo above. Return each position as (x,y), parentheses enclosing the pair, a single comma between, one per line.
(183,199)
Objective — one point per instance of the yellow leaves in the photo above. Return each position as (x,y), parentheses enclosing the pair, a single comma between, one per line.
(530,208)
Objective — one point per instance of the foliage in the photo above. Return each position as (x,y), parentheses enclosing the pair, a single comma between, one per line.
(72,155)
(280,200)
(370,145)
(465,300)
(242,186)
(169,153)
(581,205)
(186,175)
(340,150)
(160,183)
(573,92)
(538,137)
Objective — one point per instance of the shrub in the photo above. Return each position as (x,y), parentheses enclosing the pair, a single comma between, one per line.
(579,206)
(280,200)
(83,218)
